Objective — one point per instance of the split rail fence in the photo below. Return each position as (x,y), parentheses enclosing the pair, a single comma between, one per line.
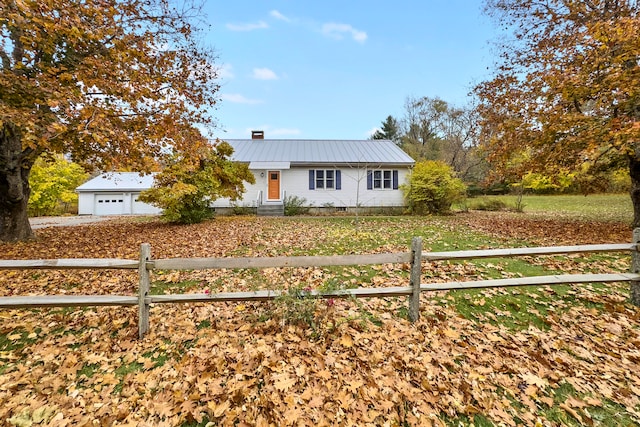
(145,264)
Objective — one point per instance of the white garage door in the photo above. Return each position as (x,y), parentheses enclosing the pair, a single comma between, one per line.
(109,204)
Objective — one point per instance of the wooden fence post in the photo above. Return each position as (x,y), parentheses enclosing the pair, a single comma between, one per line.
(143,290)
(635,268)
(414,281)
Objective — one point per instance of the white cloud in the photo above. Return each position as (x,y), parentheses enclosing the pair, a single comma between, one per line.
(249,26)
(264,74)
(337,31)
(236,98)
(225,71)
(279,16)
(372,131)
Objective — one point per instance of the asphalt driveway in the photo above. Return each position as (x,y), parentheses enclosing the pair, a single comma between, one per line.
(66,221)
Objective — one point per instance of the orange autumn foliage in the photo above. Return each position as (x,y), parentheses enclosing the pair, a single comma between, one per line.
(565,96)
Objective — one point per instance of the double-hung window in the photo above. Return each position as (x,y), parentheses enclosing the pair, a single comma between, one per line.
(324,179)
(382,179)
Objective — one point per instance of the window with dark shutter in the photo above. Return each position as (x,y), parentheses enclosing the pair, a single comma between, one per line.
(382,180)
(325,179)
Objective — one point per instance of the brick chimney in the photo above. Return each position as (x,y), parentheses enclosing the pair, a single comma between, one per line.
(257,134)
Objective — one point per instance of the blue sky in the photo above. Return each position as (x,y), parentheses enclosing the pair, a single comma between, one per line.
(336,69)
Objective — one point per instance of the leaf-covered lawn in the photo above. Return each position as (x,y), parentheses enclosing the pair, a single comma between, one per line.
(527,356)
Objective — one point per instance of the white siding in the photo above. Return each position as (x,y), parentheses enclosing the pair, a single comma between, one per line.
(141,208)
(90,203)
(85,203)
(295,182)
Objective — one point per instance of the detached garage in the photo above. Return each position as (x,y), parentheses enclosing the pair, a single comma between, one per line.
(115,193)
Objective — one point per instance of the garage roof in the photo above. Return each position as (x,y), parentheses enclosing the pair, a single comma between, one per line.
(118,181)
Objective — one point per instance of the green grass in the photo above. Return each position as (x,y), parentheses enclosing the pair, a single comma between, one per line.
(88,370)
(161,287)
(596,207)
(608,414)
(17,339)
(515,308)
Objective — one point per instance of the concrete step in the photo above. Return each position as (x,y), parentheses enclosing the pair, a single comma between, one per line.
(271,210)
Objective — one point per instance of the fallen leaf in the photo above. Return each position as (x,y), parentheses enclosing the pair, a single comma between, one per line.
(284,382)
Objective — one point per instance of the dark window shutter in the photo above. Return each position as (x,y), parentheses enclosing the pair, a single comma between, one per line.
(312,179)
(395,179)
(369,180)
(338,180)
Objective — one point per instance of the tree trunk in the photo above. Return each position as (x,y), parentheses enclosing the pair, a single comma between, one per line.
(15,167)
(634,172)
(635,268)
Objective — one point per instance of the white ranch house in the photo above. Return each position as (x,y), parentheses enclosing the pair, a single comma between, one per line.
(338,173)
(341,174)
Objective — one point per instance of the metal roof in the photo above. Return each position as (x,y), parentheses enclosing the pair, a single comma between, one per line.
(118,181)
(314,151)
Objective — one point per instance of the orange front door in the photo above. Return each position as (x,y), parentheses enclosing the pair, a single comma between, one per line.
(274,185)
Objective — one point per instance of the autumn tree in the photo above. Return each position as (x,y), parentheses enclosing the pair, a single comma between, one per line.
(111,83)
(566,92)
(53,182)
(432,188)
(186,187)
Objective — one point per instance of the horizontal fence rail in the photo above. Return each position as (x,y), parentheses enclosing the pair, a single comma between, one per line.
(67,301)
(145,265)
(566,279)
(280,261)
(69,263)
(516,252)
(397,291)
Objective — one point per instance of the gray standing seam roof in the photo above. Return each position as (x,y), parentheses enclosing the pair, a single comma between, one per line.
(118,181)
(312,151)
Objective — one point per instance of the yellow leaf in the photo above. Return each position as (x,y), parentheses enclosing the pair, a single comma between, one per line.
(355,385)
(572,411)
(494,338)
(346,341)
(547,401)
(317,401)
(284,382)
(308,394)
(292,415)
(324,374)
(452,334)
(218,409)
(535,380)
(14,337)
